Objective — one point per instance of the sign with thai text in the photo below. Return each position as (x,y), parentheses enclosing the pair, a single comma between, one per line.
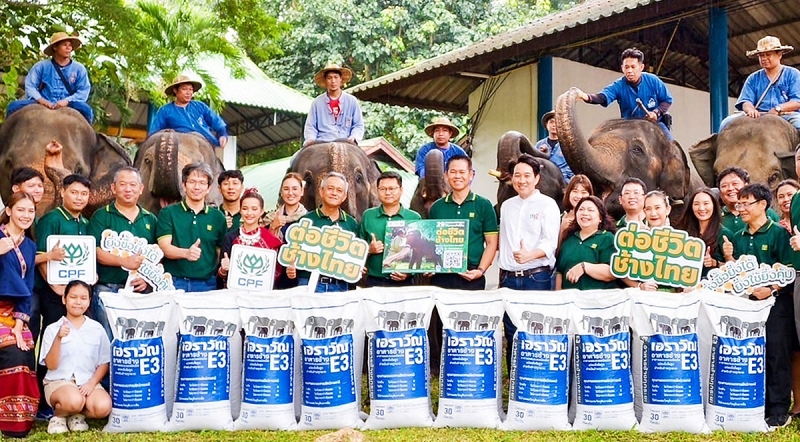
(124,244)
(80,259)
(740,277)
(426,246)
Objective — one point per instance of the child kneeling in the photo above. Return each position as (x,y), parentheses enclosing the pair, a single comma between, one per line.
(76,352)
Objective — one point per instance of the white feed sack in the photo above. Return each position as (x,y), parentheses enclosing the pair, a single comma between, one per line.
(540,360)
(470,385)
(331,328)
(732,349)
(209,361)
(399,355)
(666,362)
(270,358)
(603,384)
(142,357)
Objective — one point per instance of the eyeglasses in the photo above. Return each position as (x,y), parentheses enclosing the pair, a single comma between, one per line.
(388,189)
(740,206)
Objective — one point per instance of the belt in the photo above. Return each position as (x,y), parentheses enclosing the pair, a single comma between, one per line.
(524,273)
(329,280)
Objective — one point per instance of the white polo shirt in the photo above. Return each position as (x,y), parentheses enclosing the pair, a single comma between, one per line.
(535,221)
(82,350)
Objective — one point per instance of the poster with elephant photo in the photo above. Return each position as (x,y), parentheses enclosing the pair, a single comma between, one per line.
(426,246)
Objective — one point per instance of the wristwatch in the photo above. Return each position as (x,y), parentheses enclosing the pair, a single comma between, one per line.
(774,293)
(779,109)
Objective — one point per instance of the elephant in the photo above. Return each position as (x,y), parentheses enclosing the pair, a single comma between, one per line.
(493,321)
(25,134)
(558,325)
(683,326)
(593,325)
(145,329)
(412,320)
(258,325)
(315,161)
(732,326)
(432,186)
(280,327)
(161,159)
(348,325)
(618,149)
(480,322)
(764,147)
(335,327)
(535,322)
(422,248)
(195,325)
(752,329)
(661,324)
(461,320)
(316,327)
(509,148)
(389,320)
(126,327)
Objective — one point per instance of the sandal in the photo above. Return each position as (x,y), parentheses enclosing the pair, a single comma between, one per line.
(77,422)
(57,425)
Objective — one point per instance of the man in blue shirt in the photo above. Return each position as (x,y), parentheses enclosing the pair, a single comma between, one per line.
(442,131)
(635,84)
(774,89)
(57,82)
(549,145)
(335,114)
(187,115)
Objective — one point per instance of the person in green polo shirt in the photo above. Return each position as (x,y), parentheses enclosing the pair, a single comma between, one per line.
(770,243)
(333,191)
(231,185)
(585,255)
(190,233)
(373,230)
(631,198)
(730,181)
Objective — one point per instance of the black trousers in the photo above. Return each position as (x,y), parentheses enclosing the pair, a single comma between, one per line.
(781,342)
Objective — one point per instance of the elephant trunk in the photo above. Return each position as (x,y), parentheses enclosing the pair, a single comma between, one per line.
(435,185)
(339,160)
(165,181)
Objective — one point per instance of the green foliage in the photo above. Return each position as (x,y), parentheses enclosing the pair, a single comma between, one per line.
(257,32)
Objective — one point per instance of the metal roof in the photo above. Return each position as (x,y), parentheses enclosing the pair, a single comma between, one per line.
(673,34)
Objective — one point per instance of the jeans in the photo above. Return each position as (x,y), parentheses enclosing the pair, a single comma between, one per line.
(780,342)
(79,106)
(538,281)
(334,285)
(189,285)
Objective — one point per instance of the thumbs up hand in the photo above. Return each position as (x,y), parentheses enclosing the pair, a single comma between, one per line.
(708,261)
(727,248)
(194,251)
(225,263)
(794,241)
(291,271)
(375,246)
(56,253)
(522,255)
(64,330)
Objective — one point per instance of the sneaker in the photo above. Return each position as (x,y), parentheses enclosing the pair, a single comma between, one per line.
(77,423)
(779,421)
(45,414)
(57,425)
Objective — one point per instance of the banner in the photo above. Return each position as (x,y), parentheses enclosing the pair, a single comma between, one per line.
(80,259)
(124,244)
(426,246)
(740,277)
(252,268)
(663,255)
(334,252)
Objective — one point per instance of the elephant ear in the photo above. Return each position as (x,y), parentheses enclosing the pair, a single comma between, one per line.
(787,161)
(106,146)
(703,154)
(675,173)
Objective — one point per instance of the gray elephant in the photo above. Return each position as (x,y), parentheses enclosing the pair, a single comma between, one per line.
(145,329)
(618,149)
(389,320)
(411,320)
(161,159)
(509,148)
(535,322)
(683,326)
(731,326)
(480,322)
(462,321)
(432,186)
(316,327)
(753,329)
(315,161)
(615,325)
(280,327)
(764,147)
(557,326)
(126,327)
(195,325)
(661,324)
(25,134)
(593,325)
(493,322)
(335,327)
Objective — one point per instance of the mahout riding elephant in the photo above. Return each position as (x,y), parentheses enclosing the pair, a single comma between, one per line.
(432,186)
(161,159)
(509,148)
(618,149)
(763,146)
(315,161)
(23,140)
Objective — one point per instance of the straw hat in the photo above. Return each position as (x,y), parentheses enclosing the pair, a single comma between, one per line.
(769,44)
(346,73)
(182,79)
(57,38)
(547,116)
(444,122)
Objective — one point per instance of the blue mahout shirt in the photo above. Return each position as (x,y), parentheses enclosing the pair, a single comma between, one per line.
(651,90)
(557,158)
(448,153)
(194,117)
(787,88)
(321,126)
(43,81)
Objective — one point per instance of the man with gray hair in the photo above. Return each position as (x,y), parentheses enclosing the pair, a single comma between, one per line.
(333,190)
(190,233)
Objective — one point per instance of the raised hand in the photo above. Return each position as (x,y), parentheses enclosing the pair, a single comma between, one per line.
(521,256)
(194,251)
(375,246)
(727,248)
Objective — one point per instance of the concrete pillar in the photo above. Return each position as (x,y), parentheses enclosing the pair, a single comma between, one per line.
(718,64)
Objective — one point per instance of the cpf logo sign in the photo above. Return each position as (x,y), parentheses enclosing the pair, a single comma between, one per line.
(252,268)
(79,262)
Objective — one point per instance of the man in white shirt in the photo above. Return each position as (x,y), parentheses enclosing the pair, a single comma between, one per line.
(529,227)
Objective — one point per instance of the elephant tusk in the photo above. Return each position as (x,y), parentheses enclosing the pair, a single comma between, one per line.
(495,173)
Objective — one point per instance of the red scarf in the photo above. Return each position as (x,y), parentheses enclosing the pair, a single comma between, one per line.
(334,105)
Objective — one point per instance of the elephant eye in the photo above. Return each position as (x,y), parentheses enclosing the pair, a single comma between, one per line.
(774,177)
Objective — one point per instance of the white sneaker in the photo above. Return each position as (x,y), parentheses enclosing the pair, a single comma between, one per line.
(57,425)
(77,422)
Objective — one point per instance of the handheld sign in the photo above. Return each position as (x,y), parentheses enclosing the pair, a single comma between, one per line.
(335,252)
(664,255)
(124,244)
(740,277)
(252,268)
(80,259)
(426,246)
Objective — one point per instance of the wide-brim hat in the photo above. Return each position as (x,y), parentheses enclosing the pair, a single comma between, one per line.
(445,122)
(344,71)
(57,38)
(547,116)
(182,79)
(769,44)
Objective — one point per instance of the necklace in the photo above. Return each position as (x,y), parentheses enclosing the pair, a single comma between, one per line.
(249,239)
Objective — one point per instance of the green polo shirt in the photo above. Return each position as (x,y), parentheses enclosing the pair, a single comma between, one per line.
(236,219)
(109,217)
(56,222)
(769,244)
(185,227)
(595,249)
(319,219)
(373,221)
(481,216)
(734,223)
(794,213)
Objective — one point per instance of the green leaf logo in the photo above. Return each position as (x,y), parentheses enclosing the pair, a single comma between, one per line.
(75,255)
(252,265)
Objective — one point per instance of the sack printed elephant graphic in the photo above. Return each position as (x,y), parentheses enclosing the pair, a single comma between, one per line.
(202,326)
(131,328)
(604,326)
(733,327)
(754,329)
(389,320)
(538,324)
(316,327)
(466,321)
